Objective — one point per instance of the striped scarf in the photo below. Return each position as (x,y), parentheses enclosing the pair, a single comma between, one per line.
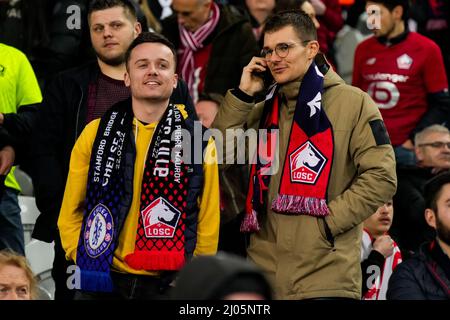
(191,42)
(307,163)
(380,283)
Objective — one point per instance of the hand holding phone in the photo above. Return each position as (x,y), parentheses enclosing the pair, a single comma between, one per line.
(252,79)
(266,76)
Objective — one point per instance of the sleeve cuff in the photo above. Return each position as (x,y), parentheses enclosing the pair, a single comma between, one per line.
(376,257)
(241,95)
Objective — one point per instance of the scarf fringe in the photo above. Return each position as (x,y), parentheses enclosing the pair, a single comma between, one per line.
(96,281)
(250,222)
(292,204)
(149,260)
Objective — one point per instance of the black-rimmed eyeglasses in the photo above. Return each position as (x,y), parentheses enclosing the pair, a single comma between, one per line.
(281,50)
(436,144)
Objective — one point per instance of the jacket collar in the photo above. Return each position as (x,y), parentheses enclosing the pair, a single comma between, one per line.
(289,91)
(436,263)
(392,41)
(440,257)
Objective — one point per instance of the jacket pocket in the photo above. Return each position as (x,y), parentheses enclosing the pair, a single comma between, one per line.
(325,232)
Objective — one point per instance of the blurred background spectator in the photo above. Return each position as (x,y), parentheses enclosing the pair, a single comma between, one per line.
(17,281)
(380,254)
(19,92)
(433,156)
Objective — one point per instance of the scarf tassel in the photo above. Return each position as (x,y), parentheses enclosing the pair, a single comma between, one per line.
(300,205)
(96,281)
(250,222)
(146,260)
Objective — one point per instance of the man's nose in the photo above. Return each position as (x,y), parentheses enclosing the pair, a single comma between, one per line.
(152,69)
(107,32)
(180,19)
(385,209)
(273,58)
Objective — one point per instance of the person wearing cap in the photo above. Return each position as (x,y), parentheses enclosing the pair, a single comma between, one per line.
(426,276)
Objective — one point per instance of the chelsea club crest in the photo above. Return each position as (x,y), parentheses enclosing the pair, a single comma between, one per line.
(98,232)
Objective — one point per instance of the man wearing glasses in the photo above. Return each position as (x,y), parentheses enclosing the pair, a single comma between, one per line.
(335,164)
(432,151)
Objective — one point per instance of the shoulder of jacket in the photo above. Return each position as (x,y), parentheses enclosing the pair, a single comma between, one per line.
(349,92)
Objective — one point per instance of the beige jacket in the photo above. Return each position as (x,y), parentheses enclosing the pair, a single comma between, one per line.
(297,256)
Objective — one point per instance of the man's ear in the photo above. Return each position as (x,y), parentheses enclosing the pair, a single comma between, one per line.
(126,79)
(175,84)
(313,49)
(397,12)
(430,218)
(419,153)
(137,29)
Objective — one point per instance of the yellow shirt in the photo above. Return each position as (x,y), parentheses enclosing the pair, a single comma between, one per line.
(72,209)
(18,87)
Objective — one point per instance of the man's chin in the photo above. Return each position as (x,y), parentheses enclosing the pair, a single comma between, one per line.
(153,97)
(377,33)
(112,61)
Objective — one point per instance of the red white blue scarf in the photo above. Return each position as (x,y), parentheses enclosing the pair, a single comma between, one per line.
(307,166)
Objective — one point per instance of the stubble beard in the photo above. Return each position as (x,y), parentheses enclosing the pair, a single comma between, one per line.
(114,61)
(442,231)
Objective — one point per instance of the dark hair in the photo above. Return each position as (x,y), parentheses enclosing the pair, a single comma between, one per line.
(150,37)
(127,5)
(283,5)
(299,20)
(391,4)
(215,277)
(433,189)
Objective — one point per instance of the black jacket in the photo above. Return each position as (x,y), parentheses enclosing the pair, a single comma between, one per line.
(425,276)
(409,228)
(61,119)
(233,46)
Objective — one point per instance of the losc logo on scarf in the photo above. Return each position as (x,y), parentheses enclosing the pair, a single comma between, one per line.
(160,219)
(98,232)
(306,164)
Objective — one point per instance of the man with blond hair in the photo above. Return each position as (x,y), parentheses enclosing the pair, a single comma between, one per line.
(17,281)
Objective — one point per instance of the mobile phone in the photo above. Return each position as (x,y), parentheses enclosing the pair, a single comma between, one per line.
(266,76)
